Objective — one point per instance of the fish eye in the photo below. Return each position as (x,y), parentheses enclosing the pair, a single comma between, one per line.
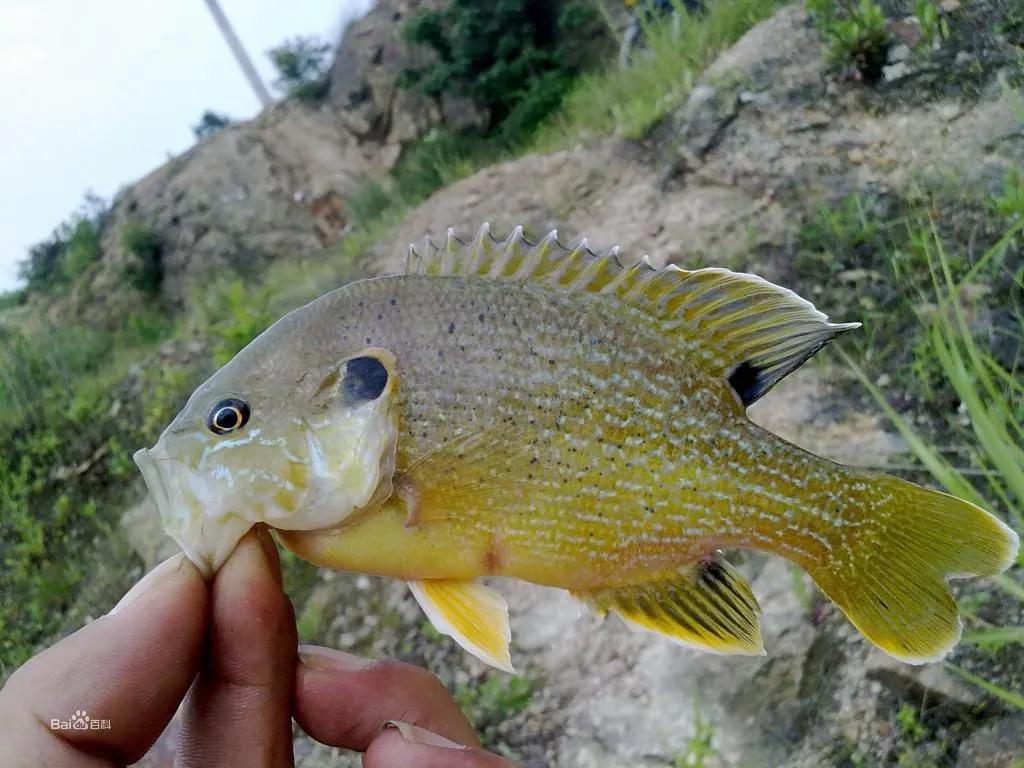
(365,379)
(227,416)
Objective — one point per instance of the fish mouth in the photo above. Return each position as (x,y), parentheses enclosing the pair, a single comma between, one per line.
(206,534)
(146,462)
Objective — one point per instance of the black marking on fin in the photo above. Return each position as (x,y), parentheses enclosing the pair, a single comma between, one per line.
(746,381)
(365,379)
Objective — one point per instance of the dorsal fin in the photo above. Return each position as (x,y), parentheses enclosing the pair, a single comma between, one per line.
(750,331)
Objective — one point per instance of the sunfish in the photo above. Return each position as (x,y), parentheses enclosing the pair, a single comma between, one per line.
(546,413)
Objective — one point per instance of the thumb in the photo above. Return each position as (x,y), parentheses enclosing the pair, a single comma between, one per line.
(108,690)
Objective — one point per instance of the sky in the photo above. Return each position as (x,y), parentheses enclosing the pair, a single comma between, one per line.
(96,93)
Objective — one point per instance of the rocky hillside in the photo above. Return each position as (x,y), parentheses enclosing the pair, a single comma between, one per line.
(778,162)
(277,185)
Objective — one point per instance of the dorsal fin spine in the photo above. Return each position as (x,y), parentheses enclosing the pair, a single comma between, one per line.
(733,321)
(537,259)
(565,273)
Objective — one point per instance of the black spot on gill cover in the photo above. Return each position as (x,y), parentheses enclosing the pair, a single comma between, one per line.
(365,379)
(745,380)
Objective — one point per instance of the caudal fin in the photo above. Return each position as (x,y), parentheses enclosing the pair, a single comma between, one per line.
(888,572)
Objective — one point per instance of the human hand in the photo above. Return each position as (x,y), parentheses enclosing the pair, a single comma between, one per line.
(231,648)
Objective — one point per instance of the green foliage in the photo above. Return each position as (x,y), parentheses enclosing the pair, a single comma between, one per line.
(931,21)
(632,101)
(302,64)
(146,270)
(232,314)
(497,698)
(1009,202)
(513,58)
(990,395)
(700,748)
(909,721)
(436,160)
(856,33)
(72,248)
(1008,697)
(993,638)
(11,299)
(83,249)
(992,398)
(65,427)
(209,123)
(839,236)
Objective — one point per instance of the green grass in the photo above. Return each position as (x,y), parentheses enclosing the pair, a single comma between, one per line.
(699,750)
(989,395)
(494,700)
(991,403)
(630,102)
(65,422)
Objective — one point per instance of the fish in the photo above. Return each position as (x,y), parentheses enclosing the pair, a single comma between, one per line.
(556,415)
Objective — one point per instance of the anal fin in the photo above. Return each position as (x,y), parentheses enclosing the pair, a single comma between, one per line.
(708,606)
(473,615)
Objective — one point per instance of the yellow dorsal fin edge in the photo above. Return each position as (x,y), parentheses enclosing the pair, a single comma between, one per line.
(747,329)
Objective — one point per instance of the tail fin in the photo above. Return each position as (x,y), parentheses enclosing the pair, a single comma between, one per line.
(888,574)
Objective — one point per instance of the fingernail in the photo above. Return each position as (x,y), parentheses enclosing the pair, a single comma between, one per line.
(151,580)
(318,657)
(266,540)
(252,556)
(416,735)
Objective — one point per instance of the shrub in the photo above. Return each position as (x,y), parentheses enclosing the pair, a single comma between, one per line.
(932,22)
(232,313)
(511,57)
(301,65)
(82,249)
(146,271)
(69,251)
(209,123)
(10,299)
(1009,202)
(856,32)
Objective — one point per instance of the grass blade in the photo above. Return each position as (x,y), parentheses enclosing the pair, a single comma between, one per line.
(1010,697)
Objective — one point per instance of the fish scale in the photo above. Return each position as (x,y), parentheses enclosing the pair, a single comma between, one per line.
(550,414)
(509,371)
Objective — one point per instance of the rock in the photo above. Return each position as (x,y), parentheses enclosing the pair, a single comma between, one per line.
(363,80)
(899,52)
(896,71)
(907,31)
(278,184)
(950,6)
(948,111)
(1000,745)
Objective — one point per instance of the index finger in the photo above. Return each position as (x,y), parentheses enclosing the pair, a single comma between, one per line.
(345,701)
(108,690)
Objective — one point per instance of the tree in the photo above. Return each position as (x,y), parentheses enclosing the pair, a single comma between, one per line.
(209,123)
(513,58)
(301,65)
(68,252)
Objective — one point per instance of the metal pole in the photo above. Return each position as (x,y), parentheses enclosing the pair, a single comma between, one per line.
(239,52)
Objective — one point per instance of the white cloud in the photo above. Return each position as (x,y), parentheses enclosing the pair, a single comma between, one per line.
(96,94)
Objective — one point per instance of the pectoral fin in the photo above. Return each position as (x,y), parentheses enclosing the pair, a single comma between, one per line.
(707,606)
(475,616)
(477,472)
